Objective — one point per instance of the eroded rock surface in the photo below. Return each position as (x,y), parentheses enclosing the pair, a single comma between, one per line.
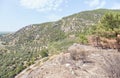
(79,62)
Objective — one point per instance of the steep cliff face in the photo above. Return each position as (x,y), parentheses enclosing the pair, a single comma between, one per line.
(79,62)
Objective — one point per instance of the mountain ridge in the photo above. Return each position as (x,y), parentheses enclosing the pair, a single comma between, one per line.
(82,17)
(25,46)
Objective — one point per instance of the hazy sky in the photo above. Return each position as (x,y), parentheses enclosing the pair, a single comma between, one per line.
(15,14)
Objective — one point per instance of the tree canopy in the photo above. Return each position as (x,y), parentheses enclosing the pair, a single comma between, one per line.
(109,25)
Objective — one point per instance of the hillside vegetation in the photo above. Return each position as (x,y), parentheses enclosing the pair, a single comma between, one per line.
(34,42)
(106,33)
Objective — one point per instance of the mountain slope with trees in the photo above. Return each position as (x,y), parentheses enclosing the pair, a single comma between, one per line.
(34,42)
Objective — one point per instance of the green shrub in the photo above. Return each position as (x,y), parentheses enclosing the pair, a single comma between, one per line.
(83,39)
(44,53)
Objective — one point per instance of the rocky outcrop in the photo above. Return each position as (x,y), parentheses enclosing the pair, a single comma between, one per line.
(79,61)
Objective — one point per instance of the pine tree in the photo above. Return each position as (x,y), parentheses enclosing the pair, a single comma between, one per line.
(108,25)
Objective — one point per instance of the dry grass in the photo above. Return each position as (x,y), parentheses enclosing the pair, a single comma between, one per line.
(78,55)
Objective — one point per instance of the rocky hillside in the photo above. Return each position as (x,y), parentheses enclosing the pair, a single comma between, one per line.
(78,62)
(52,30)
(34,42)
